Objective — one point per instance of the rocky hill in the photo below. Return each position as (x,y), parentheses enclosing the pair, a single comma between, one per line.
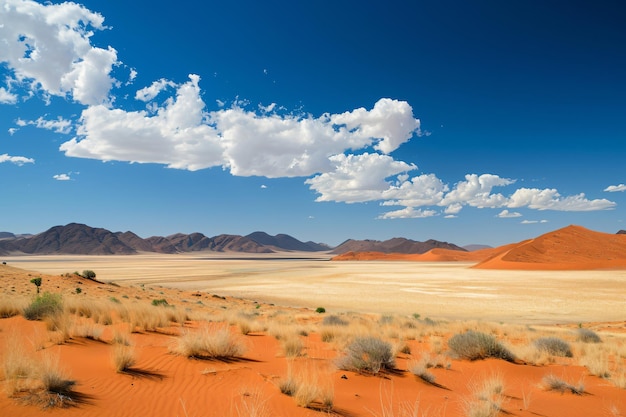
(395,245)
(286,242)
(81,239)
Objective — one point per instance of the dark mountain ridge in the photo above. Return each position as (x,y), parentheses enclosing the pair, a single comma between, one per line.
(394,245)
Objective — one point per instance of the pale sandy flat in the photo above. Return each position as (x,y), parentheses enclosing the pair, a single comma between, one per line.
(438,290)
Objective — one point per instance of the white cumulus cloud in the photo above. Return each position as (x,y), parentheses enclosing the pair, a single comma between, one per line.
(408,213)
(47,48)
(17,160)
(615,188)
(149,93)
(550,199)
(6,97)
(61,177)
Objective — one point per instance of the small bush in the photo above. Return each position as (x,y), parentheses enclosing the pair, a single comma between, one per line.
(334,321)
(368,354)
(89,274)
(37,282)
(587,336)
(209,344)
(473,345)
(320,310)
(123,357)
(160,302)
(554,346)
(552,383)
(44,305)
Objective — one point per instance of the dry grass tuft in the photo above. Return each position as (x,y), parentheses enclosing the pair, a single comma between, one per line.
(209,343)
(367,355)
(123,358)
(311,386)
(554,346)
(474,345)
(486,399)
(553,383)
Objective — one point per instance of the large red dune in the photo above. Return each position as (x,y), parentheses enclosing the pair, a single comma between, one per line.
(569,248)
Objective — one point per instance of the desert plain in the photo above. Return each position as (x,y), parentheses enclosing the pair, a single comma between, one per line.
(121,344)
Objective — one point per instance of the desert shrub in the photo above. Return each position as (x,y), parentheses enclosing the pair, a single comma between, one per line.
(553,383)
(473,345)
(160,302)
(78,290)
(10,307)
(320,310)
(37,282)
(209,344)
(89,274)
(420,370)
(310,387)
(486,398)
(334,320)
(44,305)
(123,357)
(292,346)
(587,336)
(554,346)
(367,354)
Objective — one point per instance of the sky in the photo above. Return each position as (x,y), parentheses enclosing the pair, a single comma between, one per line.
(482,122)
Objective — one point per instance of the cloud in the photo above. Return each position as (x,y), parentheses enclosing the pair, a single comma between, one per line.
(148,93)
(61,177)
(505,214)
(475,191)
(408,213)
(615,188)
(47,49)
(357,178)
(17,160)
(263,186)
(550,199)
(533,221)
(6,97)
(60,125)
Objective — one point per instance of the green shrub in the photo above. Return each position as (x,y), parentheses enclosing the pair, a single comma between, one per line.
(160,302)
(368,354)
(476,345)
(44,305)
(588,336)
(78,290)
(320,310)
(89,274)
(554,346)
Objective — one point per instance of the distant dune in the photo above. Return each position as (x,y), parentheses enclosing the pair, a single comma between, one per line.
(569,248)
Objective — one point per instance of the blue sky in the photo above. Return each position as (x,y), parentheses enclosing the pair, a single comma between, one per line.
(469,122)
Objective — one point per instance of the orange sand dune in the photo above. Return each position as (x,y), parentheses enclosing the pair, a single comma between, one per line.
(569,248)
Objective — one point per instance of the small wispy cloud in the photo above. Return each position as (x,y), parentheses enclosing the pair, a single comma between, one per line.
(533,221)
(615,188)
(264,186)
(62,177)
(17,160)
(505,214)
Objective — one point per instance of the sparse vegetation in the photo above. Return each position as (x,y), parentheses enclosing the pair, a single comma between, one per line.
(160,302)
(36,282)
(44,305)
(123,357)
(587,336)
(209,343)
(554,346)
(473,345)
(334,320)
(320,310)
(553,383)
(367,355)
(88,274)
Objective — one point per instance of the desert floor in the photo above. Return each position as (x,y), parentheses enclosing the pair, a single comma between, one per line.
(439,290)
(152,309)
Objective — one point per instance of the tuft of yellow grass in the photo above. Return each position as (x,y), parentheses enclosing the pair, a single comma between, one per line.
(310,385)
(123,357)
(486,398)
(210,342)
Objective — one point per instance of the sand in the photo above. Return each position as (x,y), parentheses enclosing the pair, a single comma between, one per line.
(164,384)
(442,290)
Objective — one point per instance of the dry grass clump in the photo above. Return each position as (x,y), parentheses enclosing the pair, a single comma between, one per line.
(486,399)
(88,330)
(292,346)
(11,306)
(334,320)
(420,370)
(209,343)
(553,383)
(473,345)
(367,355)
(123,357)
(143,317)
(554,346)
(310,387)
(587,336)
(596,360)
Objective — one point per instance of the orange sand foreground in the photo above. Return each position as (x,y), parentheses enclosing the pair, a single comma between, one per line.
(280,345)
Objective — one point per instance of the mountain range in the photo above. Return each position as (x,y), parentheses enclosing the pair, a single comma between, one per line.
(80,239)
